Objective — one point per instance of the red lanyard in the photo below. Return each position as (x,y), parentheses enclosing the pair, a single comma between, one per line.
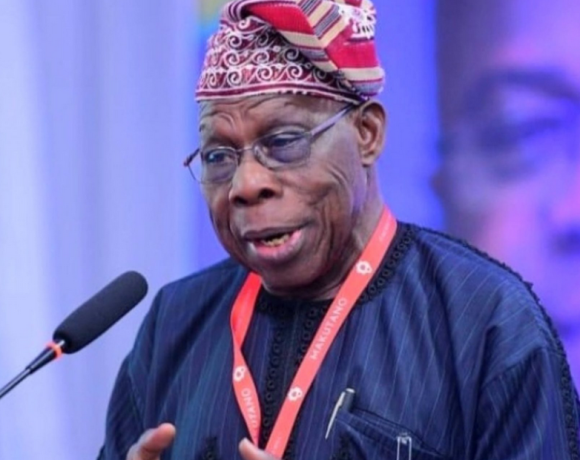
(244,387)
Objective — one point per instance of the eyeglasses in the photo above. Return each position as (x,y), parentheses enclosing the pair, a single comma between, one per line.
(280,150)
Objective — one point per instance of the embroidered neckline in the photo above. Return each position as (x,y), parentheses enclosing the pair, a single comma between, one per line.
(295,324)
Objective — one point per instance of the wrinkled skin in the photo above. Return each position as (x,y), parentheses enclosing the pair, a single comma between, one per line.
(516,64)
(333,199)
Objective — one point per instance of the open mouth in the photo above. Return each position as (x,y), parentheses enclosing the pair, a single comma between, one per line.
(276,246)
(275,240)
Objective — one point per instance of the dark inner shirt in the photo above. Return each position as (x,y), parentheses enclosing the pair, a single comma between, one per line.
(293,323)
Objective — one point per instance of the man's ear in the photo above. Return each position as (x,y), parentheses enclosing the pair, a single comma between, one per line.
(371,126)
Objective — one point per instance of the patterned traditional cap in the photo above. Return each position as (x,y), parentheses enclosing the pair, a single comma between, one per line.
(318,47)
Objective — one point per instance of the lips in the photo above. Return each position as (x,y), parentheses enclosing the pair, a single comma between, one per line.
(274,245)
(268,232)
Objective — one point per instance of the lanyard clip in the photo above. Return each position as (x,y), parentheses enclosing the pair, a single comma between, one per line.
(404,440)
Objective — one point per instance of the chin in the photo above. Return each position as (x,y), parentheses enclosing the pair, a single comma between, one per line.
(288,284)
(282,284)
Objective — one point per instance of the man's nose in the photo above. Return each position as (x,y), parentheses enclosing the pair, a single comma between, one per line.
(252,182)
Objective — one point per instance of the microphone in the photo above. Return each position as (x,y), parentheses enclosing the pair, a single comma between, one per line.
(88,322)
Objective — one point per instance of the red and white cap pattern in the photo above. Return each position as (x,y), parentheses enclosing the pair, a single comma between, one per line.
(317,47)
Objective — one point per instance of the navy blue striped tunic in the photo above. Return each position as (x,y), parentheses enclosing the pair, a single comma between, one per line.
(449,354)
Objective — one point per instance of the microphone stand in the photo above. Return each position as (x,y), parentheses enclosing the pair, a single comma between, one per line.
(50,353)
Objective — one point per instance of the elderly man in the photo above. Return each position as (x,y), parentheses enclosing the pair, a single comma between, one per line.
(333,331)
(510,172)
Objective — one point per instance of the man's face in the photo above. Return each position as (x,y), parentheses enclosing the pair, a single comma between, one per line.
(510,172)
(295,226)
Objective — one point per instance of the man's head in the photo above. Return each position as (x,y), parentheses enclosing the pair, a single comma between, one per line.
(510,108)
(289,139)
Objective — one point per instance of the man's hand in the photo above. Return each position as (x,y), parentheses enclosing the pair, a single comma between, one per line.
(152,443)
(251,452)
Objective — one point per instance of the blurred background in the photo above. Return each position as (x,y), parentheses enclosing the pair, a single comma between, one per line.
(97,115)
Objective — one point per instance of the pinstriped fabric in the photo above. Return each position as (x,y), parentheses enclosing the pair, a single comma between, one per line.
(445,347)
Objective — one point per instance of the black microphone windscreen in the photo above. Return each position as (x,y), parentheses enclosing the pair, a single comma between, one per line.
(101,311)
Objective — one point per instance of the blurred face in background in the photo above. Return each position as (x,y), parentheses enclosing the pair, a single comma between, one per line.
(509,178)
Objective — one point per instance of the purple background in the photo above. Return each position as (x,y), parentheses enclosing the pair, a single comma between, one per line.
(96,116)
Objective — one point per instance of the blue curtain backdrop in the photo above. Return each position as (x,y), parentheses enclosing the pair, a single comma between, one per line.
(96,115)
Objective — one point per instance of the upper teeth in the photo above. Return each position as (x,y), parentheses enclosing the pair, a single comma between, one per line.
(277,240)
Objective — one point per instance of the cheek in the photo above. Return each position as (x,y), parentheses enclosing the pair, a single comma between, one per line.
(333,197)
(330,196)
(336,179)
(218,206)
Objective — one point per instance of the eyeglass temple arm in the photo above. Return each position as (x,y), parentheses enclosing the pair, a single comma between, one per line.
(190,158)
(332,120)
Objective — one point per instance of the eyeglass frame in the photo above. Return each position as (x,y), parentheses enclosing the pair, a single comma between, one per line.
(310,135)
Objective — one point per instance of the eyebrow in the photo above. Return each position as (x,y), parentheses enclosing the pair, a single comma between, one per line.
(276,119)
(271,125)
(546,80)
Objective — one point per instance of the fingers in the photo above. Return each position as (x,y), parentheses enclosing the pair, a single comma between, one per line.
(152,443)
(250,452)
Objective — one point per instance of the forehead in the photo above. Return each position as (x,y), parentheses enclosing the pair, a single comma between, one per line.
(480,39)
(257,107)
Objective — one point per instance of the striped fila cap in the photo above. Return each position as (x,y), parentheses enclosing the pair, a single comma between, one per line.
(322,48)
